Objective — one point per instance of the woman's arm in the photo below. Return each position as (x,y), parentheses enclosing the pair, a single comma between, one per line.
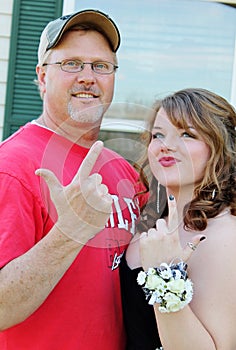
(208,321)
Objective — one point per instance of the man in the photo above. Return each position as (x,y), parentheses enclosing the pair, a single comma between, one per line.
(61,239)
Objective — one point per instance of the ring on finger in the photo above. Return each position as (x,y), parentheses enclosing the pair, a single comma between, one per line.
(191,246)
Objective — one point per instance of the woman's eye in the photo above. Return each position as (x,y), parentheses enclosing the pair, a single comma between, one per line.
(187,134)
(157,135)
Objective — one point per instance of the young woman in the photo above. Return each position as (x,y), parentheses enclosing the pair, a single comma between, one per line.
(188,302)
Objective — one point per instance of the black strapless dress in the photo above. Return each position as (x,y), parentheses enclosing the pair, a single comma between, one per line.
(139,316)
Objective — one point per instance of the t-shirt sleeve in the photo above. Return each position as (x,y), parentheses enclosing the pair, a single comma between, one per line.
(20,218)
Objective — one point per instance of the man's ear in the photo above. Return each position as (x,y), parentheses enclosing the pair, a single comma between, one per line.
(40,71)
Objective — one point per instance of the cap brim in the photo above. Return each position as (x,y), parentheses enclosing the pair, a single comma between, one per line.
(100,20)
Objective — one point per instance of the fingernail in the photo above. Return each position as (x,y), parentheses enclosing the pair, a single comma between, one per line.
(202,238)
(171,197)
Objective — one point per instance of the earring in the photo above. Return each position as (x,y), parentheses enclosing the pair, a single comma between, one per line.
(213,194)
(158,198)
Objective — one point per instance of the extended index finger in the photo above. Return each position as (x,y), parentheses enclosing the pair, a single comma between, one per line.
(89,161)
(173,220)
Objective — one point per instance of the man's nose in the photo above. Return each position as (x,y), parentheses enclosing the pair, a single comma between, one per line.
(86,75)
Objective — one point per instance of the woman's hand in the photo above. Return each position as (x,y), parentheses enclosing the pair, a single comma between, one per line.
(163,244)
(83,206)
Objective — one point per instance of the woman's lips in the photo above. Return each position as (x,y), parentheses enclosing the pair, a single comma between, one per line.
(167,161)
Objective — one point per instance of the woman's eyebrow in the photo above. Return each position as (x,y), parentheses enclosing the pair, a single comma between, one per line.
(157,127)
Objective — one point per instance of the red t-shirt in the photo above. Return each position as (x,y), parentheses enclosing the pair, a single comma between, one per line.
(83,312)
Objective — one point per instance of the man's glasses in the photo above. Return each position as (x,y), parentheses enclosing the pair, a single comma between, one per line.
(74,66)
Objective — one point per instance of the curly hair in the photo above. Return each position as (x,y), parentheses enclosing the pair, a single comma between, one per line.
(215,120)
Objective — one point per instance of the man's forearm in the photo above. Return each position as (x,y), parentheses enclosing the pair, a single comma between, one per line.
(26,281)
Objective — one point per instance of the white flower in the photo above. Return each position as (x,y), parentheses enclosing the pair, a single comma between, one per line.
(154,282)
(189,286)
(189,290)
(165,265)
(166,274)
(151,271)
(173,302)
(154,299)
(177,274)
(167,286)
(162,309)
(176,286)
(141,278)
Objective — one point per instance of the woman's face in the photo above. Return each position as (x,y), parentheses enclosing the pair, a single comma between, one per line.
(177,157)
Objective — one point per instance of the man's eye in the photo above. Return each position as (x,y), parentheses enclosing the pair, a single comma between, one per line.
(72,63)
(101,66)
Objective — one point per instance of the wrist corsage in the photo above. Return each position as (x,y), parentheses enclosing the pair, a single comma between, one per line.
(167,285)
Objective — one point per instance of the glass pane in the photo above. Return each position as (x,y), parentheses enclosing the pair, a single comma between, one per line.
(166,45)
(170,44)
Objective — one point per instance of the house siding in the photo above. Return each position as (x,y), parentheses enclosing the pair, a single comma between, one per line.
(5,37)
(22,100)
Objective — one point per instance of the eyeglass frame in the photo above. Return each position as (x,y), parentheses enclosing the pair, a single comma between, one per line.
(82,66)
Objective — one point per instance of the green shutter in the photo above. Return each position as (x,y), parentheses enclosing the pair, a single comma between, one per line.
(22,98)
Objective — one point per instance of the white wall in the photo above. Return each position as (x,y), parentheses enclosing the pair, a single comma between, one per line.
(68,7)
(5,31)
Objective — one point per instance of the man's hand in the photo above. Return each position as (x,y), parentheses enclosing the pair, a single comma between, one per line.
(83,206)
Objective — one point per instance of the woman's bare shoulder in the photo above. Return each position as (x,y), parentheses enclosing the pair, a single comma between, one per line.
(211,270)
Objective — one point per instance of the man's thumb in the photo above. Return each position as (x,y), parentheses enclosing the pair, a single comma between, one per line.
(49,177)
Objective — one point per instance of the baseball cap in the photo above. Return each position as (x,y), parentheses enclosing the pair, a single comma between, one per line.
(54,30)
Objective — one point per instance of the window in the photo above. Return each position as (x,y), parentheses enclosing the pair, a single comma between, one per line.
(168,45)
